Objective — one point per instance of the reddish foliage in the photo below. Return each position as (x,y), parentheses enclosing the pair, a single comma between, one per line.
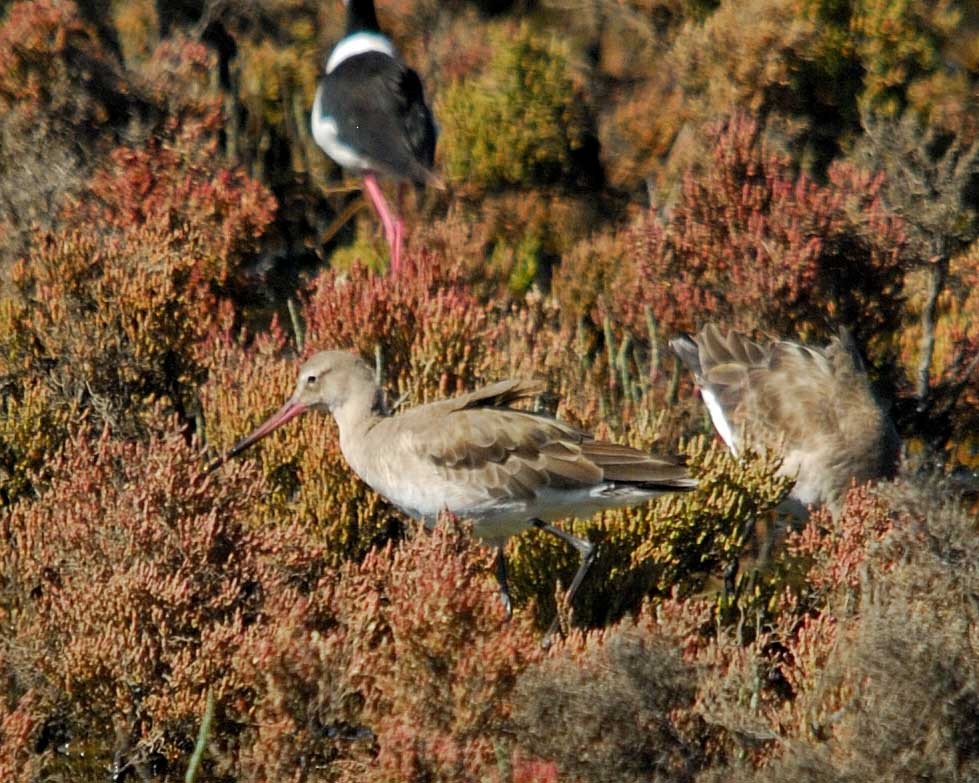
(19,724)
(172,579)
(445,629)
(181,188)
(113,303)
(180,74)
(134,563)
(113,317)
(432,332)
(177,179)
(757,246)
(534,771)
(408,647)
(51,62)
(839,548)
(131,582)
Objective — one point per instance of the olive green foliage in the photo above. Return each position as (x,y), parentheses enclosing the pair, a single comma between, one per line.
(878,48)
(519,121)
(523,261)
(900,42)
(274,77)
(367,251)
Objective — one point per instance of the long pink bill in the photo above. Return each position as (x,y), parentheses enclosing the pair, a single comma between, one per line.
(286,413)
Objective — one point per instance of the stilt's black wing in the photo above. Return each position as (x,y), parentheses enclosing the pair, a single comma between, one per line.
(379,107)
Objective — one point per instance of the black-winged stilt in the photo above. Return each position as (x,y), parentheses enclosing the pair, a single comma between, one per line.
(370,115)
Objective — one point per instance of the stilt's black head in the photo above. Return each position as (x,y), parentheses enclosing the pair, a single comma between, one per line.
(361,16)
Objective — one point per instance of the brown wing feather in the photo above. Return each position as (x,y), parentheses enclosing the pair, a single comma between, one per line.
(722,365)
(512,453)
(797,395)
(816,405)
(775,391)
(498,395)
(503,454)
(629,465)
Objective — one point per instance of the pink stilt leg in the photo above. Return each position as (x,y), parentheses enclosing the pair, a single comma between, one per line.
(392,225)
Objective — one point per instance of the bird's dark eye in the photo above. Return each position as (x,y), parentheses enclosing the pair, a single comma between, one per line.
(310,380)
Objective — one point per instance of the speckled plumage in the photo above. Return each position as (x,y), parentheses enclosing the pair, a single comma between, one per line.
(475,456)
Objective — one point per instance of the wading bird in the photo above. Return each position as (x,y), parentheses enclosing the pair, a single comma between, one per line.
(475,457)
(370,115)
(812,405)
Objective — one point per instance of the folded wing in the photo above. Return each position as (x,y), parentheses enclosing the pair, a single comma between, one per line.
(509,454)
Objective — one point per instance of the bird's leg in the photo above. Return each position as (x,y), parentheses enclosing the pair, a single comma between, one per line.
(587,551)
(501,578)
(731,577)
(399,227)
(734,564)
(391,230)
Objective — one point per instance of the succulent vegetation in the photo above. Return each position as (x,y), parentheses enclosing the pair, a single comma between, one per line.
(172,243)
(519,122)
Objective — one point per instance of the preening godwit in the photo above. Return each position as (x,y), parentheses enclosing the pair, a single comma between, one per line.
(813,405)
(370,115)
(474,456)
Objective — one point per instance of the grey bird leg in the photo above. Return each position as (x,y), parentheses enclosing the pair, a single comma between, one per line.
(731,577)
(734,565)
(587,551)
(501,578)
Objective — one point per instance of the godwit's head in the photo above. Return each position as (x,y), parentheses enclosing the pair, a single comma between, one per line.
(329,381)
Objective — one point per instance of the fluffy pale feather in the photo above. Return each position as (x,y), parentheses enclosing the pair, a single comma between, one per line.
(815,405)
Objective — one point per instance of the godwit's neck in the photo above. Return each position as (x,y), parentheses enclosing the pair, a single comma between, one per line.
(358,414)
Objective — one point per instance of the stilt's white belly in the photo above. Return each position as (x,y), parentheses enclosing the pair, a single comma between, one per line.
(326,134)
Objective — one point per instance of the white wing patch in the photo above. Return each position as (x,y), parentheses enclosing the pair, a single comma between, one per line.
(721,424)
(359,43)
